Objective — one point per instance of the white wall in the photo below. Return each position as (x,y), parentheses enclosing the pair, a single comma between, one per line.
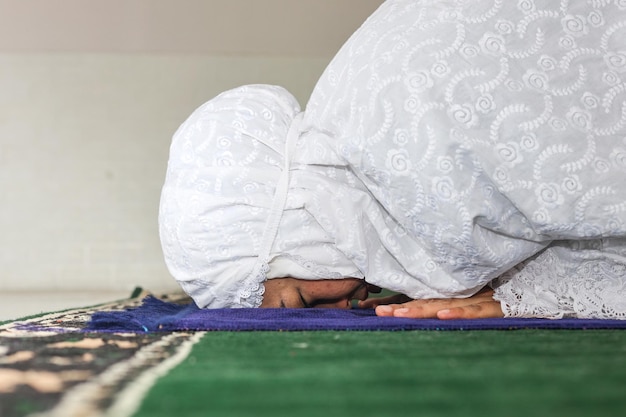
(90,94)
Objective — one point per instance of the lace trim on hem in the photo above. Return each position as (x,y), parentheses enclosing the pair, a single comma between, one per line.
(560,284)
(250,295)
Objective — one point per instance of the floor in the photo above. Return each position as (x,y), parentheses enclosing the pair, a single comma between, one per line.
(14,305)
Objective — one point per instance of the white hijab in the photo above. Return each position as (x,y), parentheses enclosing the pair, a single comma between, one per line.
(226,220)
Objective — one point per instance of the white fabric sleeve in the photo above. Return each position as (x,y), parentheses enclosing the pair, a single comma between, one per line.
(584,279)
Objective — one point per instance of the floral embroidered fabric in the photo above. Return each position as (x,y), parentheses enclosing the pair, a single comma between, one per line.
(446,143)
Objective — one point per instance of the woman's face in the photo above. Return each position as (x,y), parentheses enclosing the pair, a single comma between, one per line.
(326,293)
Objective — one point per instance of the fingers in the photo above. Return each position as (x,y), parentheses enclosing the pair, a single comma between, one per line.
(409,310)
(423,309)
(388,310)
(470,308)
(483,310)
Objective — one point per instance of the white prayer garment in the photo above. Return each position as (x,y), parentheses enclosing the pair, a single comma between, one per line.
(449,145)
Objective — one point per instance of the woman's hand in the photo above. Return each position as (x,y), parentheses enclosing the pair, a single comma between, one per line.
(480,305)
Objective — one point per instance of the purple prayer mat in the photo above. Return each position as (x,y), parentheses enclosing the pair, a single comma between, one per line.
(155,315)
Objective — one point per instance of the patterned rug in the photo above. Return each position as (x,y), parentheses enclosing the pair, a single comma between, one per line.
(50,367)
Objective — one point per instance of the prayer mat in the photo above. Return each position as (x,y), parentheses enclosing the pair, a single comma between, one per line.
(156,315)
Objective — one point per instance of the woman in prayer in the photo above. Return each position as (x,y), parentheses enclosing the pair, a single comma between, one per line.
(467,155)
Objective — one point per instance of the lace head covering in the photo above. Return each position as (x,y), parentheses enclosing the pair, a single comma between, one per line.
(224,199)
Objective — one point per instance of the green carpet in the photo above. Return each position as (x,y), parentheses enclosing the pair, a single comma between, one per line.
(481,373)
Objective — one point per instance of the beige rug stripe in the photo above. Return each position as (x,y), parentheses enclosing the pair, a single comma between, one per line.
(83,400)
(128,401)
